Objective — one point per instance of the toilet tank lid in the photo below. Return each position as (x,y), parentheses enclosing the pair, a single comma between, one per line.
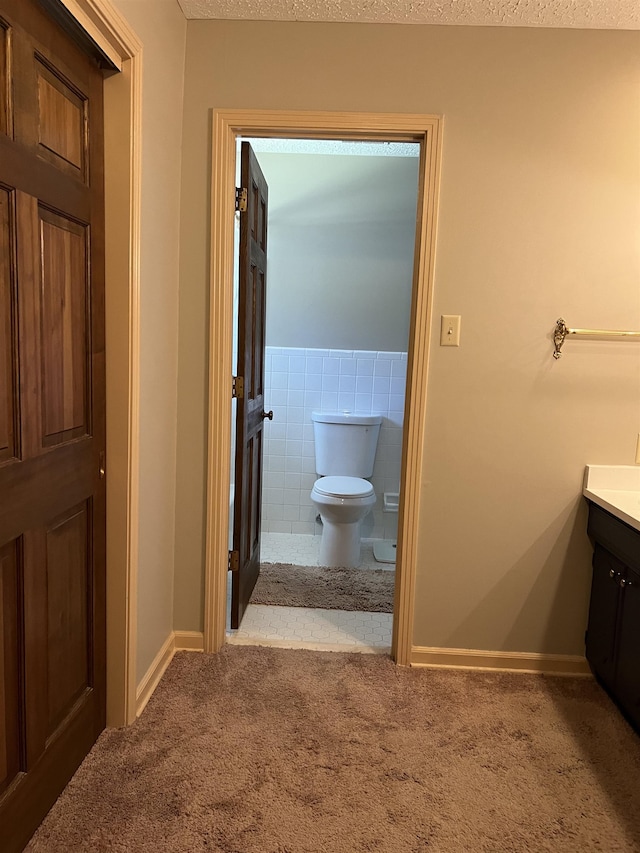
(346,418)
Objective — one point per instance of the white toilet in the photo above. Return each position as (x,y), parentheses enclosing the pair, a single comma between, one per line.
(345,447)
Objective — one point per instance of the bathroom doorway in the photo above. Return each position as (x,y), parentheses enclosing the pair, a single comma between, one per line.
(227,125)
(341,245)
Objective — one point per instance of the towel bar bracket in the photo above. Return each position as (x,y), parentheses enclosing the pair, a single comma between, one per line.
(559,336)
(561,331)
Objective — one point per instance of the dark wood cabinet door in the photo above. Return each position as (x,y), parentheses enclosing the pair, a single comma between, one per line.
(628,671)
(52,414)
(603,614)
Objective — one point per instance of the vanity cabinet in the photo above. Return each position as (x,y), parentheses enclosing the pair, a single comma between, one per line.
(613,632)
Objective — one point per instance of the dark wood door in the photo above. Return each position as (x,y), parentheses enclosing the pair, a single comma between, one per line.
(52,415)
(250,410)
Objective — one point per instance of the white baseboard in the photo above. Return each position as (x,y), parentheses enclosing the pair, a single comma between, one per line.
(152,677)
(499,661)
(192,641)
(189,641)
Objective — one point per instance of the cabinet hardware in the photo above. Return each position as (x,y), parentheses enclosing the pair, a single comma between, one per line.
(624,583)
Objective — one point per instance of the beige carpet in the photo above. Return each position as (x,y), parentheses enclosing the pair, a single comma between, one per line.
(286,585)
(260,750)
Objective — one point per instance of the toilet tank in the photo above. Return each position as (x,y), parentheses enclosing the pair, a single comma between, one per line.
(345,443)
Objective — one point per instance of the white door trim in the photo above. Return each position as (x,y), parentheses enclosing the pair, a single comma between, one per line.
(227,125)
(123,131)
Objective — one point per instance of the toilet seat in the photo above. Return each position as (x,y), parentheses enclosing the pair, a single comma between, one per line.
(343,487)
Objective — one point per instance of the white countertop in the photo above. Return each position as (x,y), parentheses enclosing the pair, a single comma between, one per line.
(615,488)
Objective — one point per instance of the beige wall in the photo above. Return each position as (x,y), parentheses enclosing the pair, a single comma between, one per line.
(342,231)
(161,27)
(539,217)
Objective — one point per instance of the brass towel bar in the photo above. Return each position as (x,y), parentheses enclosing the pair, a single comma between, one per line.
(562,331)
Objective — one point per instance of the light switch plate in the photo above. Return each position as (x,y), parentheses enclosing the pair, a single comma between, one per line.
(450,330)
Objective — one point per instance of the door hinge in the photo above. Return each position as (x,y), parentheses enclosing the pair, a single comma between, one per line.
(237,386)
(241,199)
(234,561)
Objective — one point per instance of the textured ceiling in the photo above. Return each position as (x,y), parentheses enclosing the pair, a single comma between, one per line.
(591,14)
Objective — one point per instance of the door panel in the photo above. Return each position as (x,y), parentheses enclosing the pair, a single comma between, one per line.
(11,741)
(61,121)
(250,411)
(63,327)
(52,409)
(8,365)
(68,588)
(601,631)
(628,673)
(4,70)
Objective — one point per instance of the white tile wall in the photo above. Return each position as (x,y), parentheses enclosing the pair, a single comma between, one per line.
(297,381)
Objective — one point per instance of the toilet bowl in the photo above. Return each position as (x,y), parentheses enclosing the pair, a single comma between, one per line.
(342,502)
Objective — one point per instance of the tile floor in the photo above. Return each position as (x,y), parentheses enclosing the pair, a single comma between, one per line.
(301,627)
(303,549)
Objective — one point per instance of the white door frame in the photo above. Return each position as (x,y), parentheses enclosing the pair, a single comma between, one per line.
(227,126)
(123,124)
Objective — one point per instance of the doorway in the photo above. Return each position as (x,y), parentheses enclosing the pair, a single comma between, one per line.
(227,126)
(341,240)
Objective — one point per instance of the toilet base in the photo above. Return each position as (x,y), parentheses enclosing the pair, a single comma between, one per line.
(340,545)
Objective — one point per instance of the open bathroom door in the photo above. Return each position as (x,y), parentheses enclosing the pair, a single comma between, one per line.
(245,556)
